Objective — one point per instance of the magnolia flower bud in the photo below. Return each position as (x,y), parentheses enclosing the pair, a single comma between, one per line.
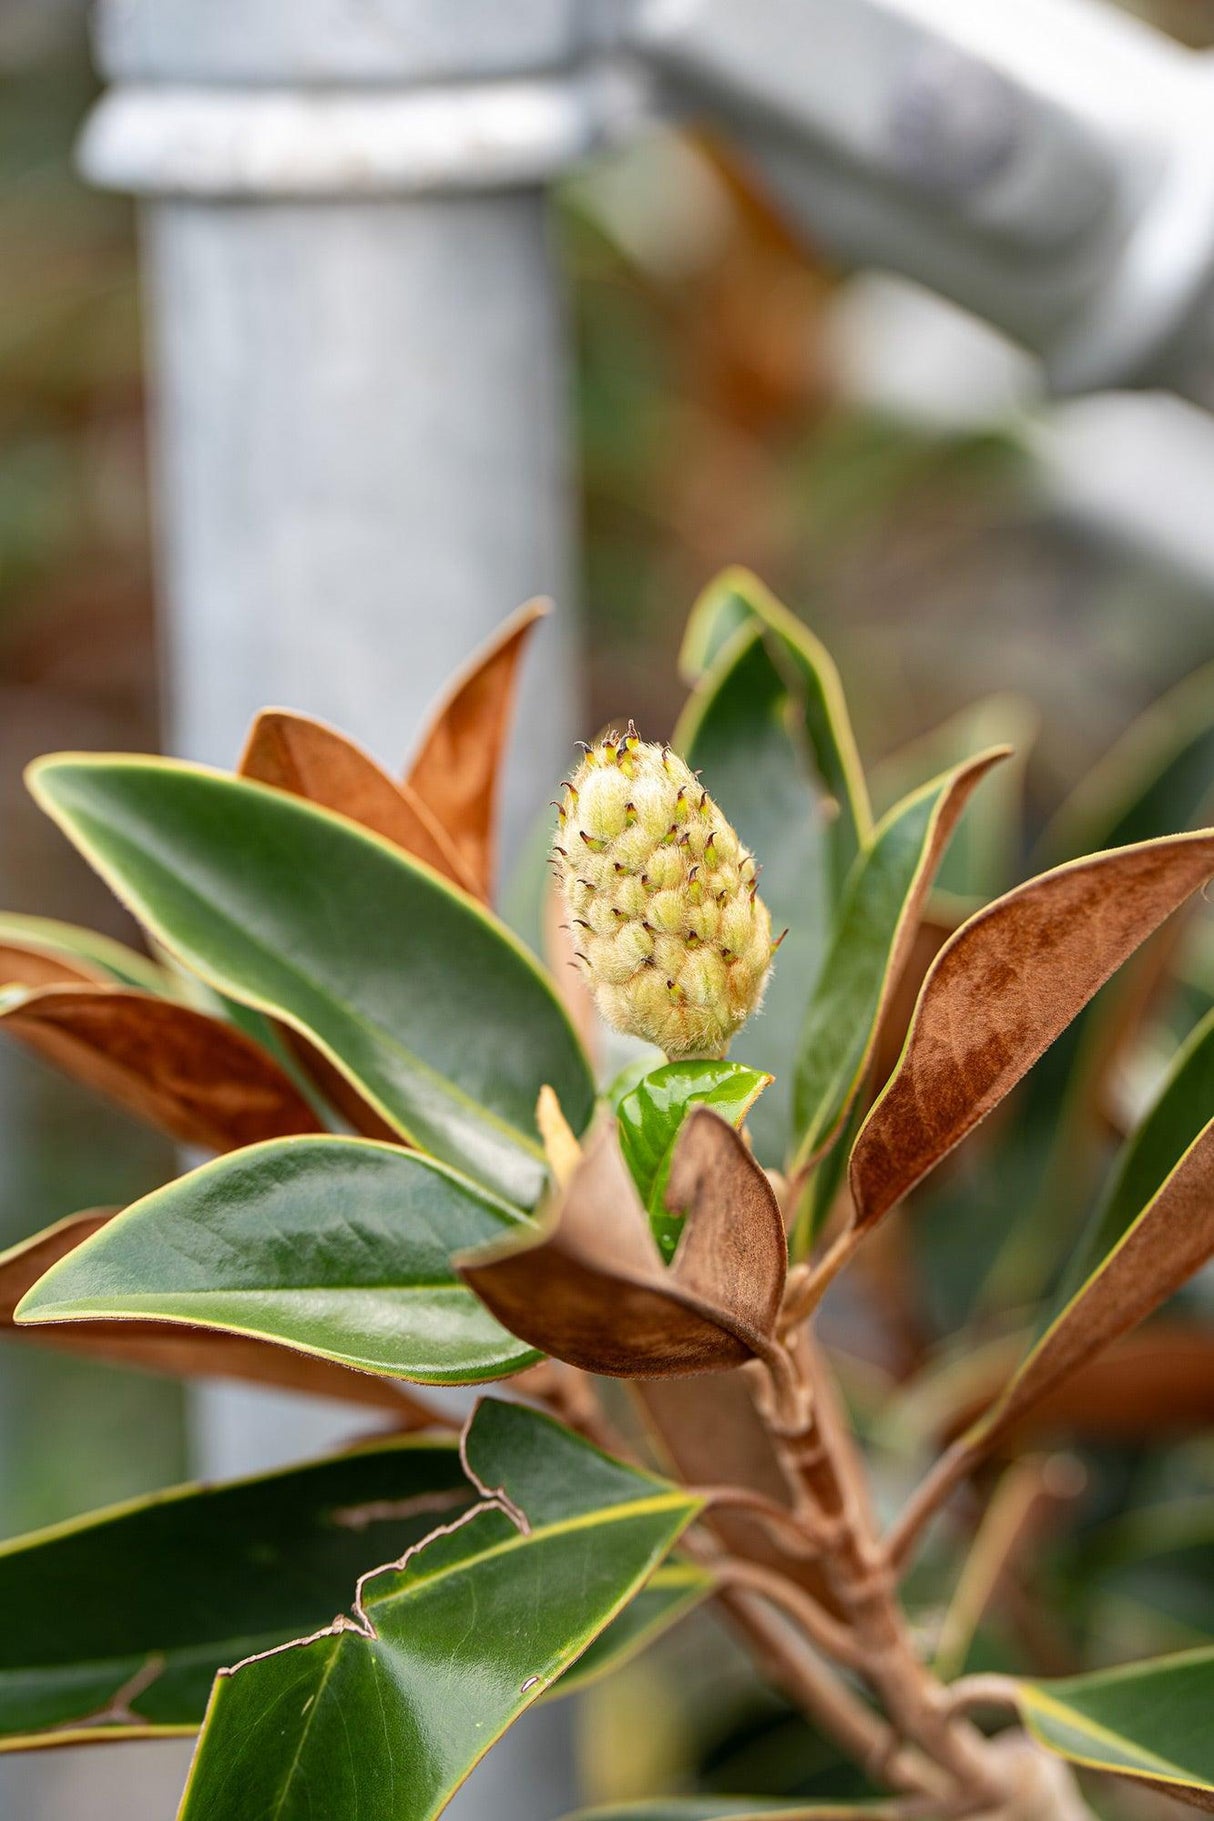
(669,929)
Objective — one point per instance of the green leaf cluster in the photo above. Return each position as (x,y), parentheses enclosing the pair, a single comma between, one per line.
(404,1104)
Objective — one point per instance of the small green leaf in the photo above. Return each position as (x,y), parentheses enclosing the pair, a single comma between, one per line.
(336,1246)
(876,921)
(115,1624)
(1149,1722)
(382,1715)
(651,1115)
(428,1006)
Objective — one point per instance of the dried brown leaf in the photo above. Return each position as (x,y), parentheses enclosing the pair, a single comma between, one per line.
(708,1431)
(35,967)
(930,935)
(459,759)
(1170,1240)
(183,1352)
(733,1251)
(1001,990)
(338,1089)
(203,1082)
(307,758)
(593,1291)
(1157,1383)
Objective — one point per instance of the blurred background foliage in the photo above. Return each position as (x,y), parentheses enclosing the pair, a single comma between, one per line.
(718,424)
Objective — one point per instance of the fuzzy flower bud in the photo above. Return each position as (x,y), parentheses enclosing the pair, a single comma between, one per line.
(668,925)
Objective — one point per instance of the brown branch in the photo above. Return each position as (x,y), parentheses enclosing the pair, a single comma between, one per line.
(984,1691)
(933,1492)
(802,1533)
(825,1633)
(863,1584)
(812,1688)
(808,1289)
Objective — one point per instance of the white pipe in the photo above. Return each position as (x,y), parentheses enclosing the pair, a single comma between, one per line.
(1049,164)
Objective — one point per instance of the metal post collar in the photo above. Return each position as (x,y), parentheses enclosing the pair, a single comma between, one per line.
(262,141)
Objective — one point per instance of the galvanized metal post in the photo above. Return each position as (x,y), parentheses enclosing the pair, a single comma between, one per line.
(359,376)
(358,365)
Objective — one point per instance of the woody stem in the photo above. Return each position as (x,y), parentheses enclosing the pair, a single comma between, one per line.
(824,1476)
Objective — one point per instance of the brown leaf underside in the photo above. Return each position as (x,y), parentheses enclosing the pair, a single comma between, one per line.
(594,1292)
(459,759)
(1187,1793)
(1159,1382)
(203,1082)
(1001,990)
(35,967)
(710,1433)
(306,758)
(180,1351)
(1168,1243)
(338,1089)
(929,936)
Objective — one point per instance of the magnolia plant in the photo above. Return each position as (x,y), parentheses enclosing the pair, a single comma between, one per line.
(427,1172)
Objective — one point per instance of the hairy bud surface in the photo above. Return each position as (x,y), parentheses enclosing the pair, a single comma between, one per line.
(663,903)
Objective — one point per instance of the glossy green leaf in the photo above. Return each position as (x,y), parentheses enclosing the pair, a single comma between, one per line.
(384,1715)
(736,730)
(430,1007)
(876,920)
(737,596)
(115,1625)
(675,1590)
(112,960)
(1146,1721)
(337,1246)
(1180,1111)
(719,613)
(651,1115)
